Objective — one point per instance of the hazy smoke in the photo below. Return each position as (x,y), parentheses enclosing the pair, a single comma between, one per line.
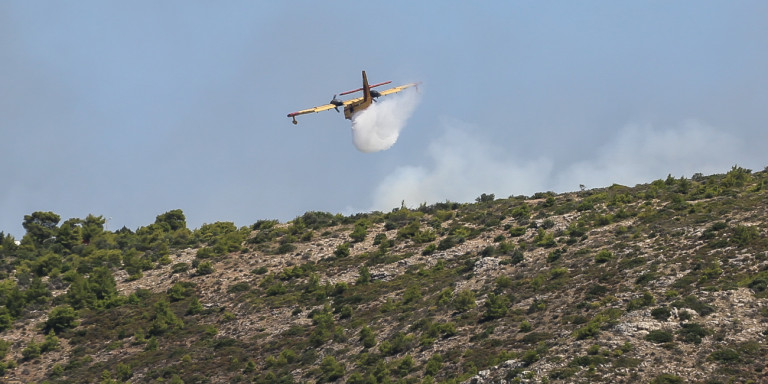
(464,165)
(378,127)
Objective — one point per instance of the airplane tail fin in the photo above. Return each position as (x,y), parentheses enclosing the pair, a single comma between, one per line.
(366,89)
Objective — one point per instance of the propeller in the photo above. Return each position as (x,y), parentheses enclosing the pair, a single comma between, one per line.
(337,103)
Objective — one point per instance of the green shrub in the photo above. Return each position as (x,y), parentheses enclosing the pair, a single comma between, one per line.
(205,253)
(496,306)
(503,282)
(544,239)
(758,282)
(555,255)
(360,232)
(644,301)
(447,243)
(367,337)
(692,333)
(31,351)
(180,268)
(726,356)
(379,238)
(661,313)
(743,235)
(411,295)
(61,318)
(342,250)
(556,273)
(164,319)
(589,360)
(603,256)
(239,287)
(464,301)
(331,369)
(517,231)
(180,291)
(694,303)
(434,364)
(284,248)
(659,336)
(422,237)
(429,249)
(404,366)
(51,342)
(365,276)
(204,268)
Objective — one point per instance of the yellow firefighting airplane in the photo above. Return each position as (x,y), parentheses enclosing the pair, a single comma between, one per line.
(354,105)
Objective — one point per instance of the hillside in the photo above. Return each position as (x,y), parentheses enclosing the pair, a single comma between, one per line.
(663,282)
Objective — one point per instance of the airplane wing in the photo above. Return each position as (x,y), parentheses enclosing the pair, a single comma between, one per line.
(312,110)
(398,89)
(352,101)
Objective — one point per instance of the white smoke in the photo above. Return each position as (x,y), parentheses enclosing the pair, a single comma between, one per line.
(465,165)
(641,153)
(377,127)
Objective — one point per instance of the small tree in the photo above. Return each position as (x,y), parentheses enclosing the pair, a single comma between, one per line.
(165,319)
(360,231)
(496,307)
(61,318)
(342,250)
(365,276)
(367,337)
(204,268)
(51,342)
(331,369)
(41,226)
(464,301)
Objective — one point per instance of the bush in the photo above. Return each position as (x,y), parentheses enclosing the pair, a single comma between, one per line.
(694,303)
(31,351)
(331,369)
(367,337)
(204,268)
(556,273)
(646,300)
(429,249)
(405,365)
(692,333)
(659,336)
(603,256)
(61,318)
(464,301)
(496,307)
(342,250)
(180,268)
(360,232)
(743,235)
(661,313)
(517,231)
(446,243)
(434,364)
(727,355)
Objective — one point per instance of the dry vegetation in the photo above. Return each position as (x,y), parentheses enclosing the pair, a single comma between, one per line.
(663,282)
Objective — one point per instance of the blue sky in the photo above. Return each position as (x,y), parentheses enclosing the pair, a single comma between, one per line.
(128,110)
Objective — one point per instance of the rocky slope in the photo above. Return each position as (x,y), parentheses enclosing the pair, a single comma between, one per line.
(664,282)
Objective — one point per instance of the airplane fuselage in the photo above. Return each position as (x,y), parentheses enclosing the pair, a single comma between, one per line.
(366,102)
(351,109)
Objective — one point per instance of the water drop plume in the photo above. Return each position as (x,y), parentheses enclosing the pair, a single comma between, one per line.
(377,127)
